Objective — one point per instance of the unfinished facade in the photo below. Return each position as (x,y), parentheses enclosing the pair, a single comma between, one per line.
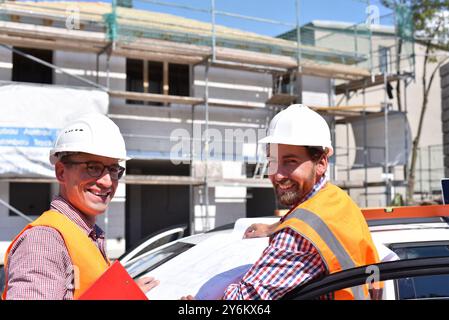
(190,98)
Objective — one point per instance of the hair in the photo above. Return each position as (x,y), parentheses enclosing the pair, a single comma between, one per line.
(64,156)
(315,153)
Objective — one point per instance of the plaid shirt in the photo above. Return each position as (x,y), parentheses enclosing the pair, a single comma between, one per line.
(288,261)
(39,265)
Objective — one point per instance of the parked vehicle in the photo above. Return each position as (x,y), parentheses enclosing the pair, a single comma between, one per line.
(418,235)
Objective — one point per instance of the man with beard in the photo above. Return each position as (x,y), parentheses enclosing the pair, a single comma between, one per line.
(324,231)
(62,253)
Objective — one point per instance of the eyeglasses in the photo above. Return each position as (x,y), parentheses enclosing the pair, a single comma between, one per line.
(96,169)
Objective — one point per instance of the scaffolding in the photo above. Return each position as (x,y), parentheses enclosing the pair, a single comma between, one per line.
(314,49)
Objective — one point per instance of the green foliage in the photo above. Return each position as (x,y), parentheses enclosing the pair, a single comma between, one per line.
(429,18)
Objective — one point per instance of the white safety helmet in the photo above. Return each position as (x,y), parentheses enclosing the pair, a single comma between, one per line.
(93,133)
(299,126)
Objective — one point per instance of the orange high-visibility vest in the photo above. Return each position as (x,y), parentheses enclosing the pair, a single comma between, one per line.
(88,262)
(334,224)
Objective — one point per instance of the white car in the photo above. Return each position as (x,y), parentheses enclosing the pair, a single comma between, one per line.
(419,236)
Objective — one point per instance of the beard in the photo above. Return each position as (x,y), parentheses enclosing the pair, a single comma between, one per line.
(288,197)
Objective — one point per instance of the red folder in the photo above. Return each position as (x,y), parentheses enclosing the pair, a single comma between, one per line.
(114,284)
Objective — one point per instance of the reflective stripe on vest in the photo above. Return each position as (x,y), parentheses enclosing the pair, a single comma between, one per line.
(87,260)
(315,222)
(334,224)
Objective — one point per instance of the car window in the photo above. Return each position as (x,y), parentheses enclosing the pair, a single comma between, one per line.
(423,278)
(415,252)
(423,287)
(147,262)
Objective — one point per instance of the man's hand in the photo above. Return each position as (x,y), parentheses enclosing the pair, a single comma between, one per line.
(259,230)
(189,297)
(147,283)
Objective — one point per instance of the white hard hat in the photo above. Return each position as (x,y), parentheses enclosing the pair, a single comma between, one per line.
(299,126)
(92,133)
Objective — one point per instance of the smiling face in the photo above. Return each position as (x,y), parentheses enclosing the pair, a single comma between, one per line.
(293,173)
(90,195)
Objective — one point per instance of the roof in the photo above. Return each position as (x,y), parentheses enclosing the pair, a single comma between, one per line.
(191,37)
(130,17)
(340,25)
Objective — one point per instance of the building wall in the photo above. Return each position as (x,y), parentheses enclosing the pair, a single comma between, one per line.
(5,64)
(412,102)
(361,44)
(147,130)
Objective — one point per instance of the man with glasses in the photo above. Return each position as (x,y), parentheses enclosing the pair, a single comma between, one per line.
(62,253)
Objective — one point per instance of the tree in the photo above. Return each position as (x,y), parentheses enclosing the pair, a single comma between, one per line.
(430,21)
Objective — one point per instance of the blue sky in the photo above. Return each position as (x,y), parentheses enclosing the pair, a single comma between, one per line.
(353,11)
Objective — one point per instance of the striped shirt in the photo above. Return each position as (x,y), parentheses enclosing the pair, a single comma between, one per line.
(288,261)
(39,266)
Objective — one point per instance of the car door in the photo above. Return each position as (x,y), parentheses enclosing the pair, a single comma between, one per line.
(429,275)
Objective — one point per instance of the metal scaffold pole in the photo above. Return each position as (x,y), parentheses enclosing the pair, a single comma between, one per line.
(387,155)
(206,146)
(108,75)
(365,151)
(298,37)
(370,43)
(192,150)
(97,69)
(348,171)
(212,11)
(406,82)
(332,127)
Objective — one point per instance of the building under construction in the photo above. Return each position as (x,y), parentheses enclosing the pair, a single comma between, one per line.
(191,99)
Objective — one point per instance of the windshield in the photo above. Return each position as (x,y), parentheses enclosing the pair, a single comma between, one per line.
(145,263)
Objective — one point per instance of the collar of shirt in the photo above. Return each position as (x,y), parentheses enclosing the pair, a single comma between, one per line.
(317,187)
(63,206)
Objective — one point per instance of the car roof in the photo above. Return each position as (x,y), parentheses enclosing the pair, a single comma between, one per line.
(384,231)
(410,233)
(197,238)
(408,224)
